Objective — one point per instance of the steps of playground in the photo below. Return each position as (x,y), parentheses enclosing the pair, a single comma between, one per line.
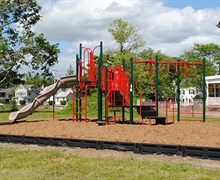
(147,112)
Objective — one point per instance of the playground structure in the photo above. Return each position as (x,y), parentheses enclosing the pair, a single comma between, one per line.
(117,85)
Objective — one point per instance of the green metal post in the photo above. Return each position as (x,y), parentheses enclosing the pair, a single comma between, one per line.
(204,90)
(178,92)
(156,97)
(99,85)
(77,82)
(80,101)
(131,90)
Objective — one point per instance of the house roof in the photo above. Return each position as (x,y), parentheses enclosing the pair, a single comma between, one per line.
(63,94)
(213,79)
(6,90)
(28,87)
(3,90)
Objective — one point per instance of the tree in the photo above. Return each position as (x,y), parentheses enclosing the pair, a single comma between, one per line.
(37,80)
(199,51)
(70,70)
(127,37)
(19,45)
(145,75)
(130,44)
(210,52)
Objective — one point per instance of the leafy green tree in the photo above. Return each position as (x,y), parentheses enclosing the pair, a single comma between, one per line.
(147,53)
(211,52)
(37,80)
(130,44)
(19,45)
(145,75)
(199,51)
(127,38)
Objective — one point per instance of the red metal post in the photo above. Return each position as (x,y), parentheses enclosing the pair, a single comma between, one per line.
(73,103)
(114,117)
(91,67)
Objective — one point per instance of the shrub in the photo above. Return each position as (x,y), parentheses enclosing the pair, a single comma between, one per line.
(13,105)
(22,102)
(63,102)
(51,103)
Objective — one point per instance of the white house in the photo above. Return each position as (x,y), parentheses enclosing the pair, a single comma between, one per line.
(187,95)
(63,96)
(26,92)
(213,90)
(60,95)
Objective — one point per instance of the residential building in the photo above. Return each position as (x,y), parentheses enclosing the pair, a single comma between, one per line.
(5,95)
(213,90)
(26,93)
(61,95)
(187,95)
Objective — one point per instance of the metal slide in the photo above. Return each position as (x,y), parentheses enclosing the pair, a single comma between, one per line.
(50,91)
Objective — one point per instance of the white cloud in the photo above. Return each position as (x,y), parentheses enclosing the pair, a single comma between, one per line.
(172,30)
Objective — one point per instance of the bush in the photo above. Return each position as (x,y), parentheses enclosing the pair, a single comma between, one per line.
(22,102)
(13,105)
(51,103)
(63,102)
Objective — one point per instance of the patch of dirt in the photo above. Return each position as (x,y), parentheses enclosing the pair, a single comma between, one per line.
(179,133)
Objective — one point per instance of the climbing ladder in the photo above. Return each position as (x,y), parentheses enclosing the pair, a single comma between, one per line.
(79,103)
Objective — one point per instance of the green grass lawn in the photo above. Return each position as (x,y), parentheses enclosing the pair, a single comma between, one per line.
(42,112)
(59,163)
(46,112)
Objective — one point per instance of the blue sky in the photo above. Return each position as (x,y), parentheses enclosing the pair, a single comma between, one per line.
(171,26)
(196,4)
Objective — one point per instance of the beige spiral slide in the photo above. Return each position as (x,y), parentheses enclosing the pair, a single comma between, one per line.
(38,101)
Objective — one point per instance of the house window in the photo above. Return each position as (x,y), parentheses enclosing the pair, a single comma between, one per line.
(183,92)
(19,93)
(191,91)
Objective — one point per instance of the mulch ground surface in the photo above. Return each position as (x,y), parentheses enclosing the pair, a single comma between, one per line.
(179,133)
